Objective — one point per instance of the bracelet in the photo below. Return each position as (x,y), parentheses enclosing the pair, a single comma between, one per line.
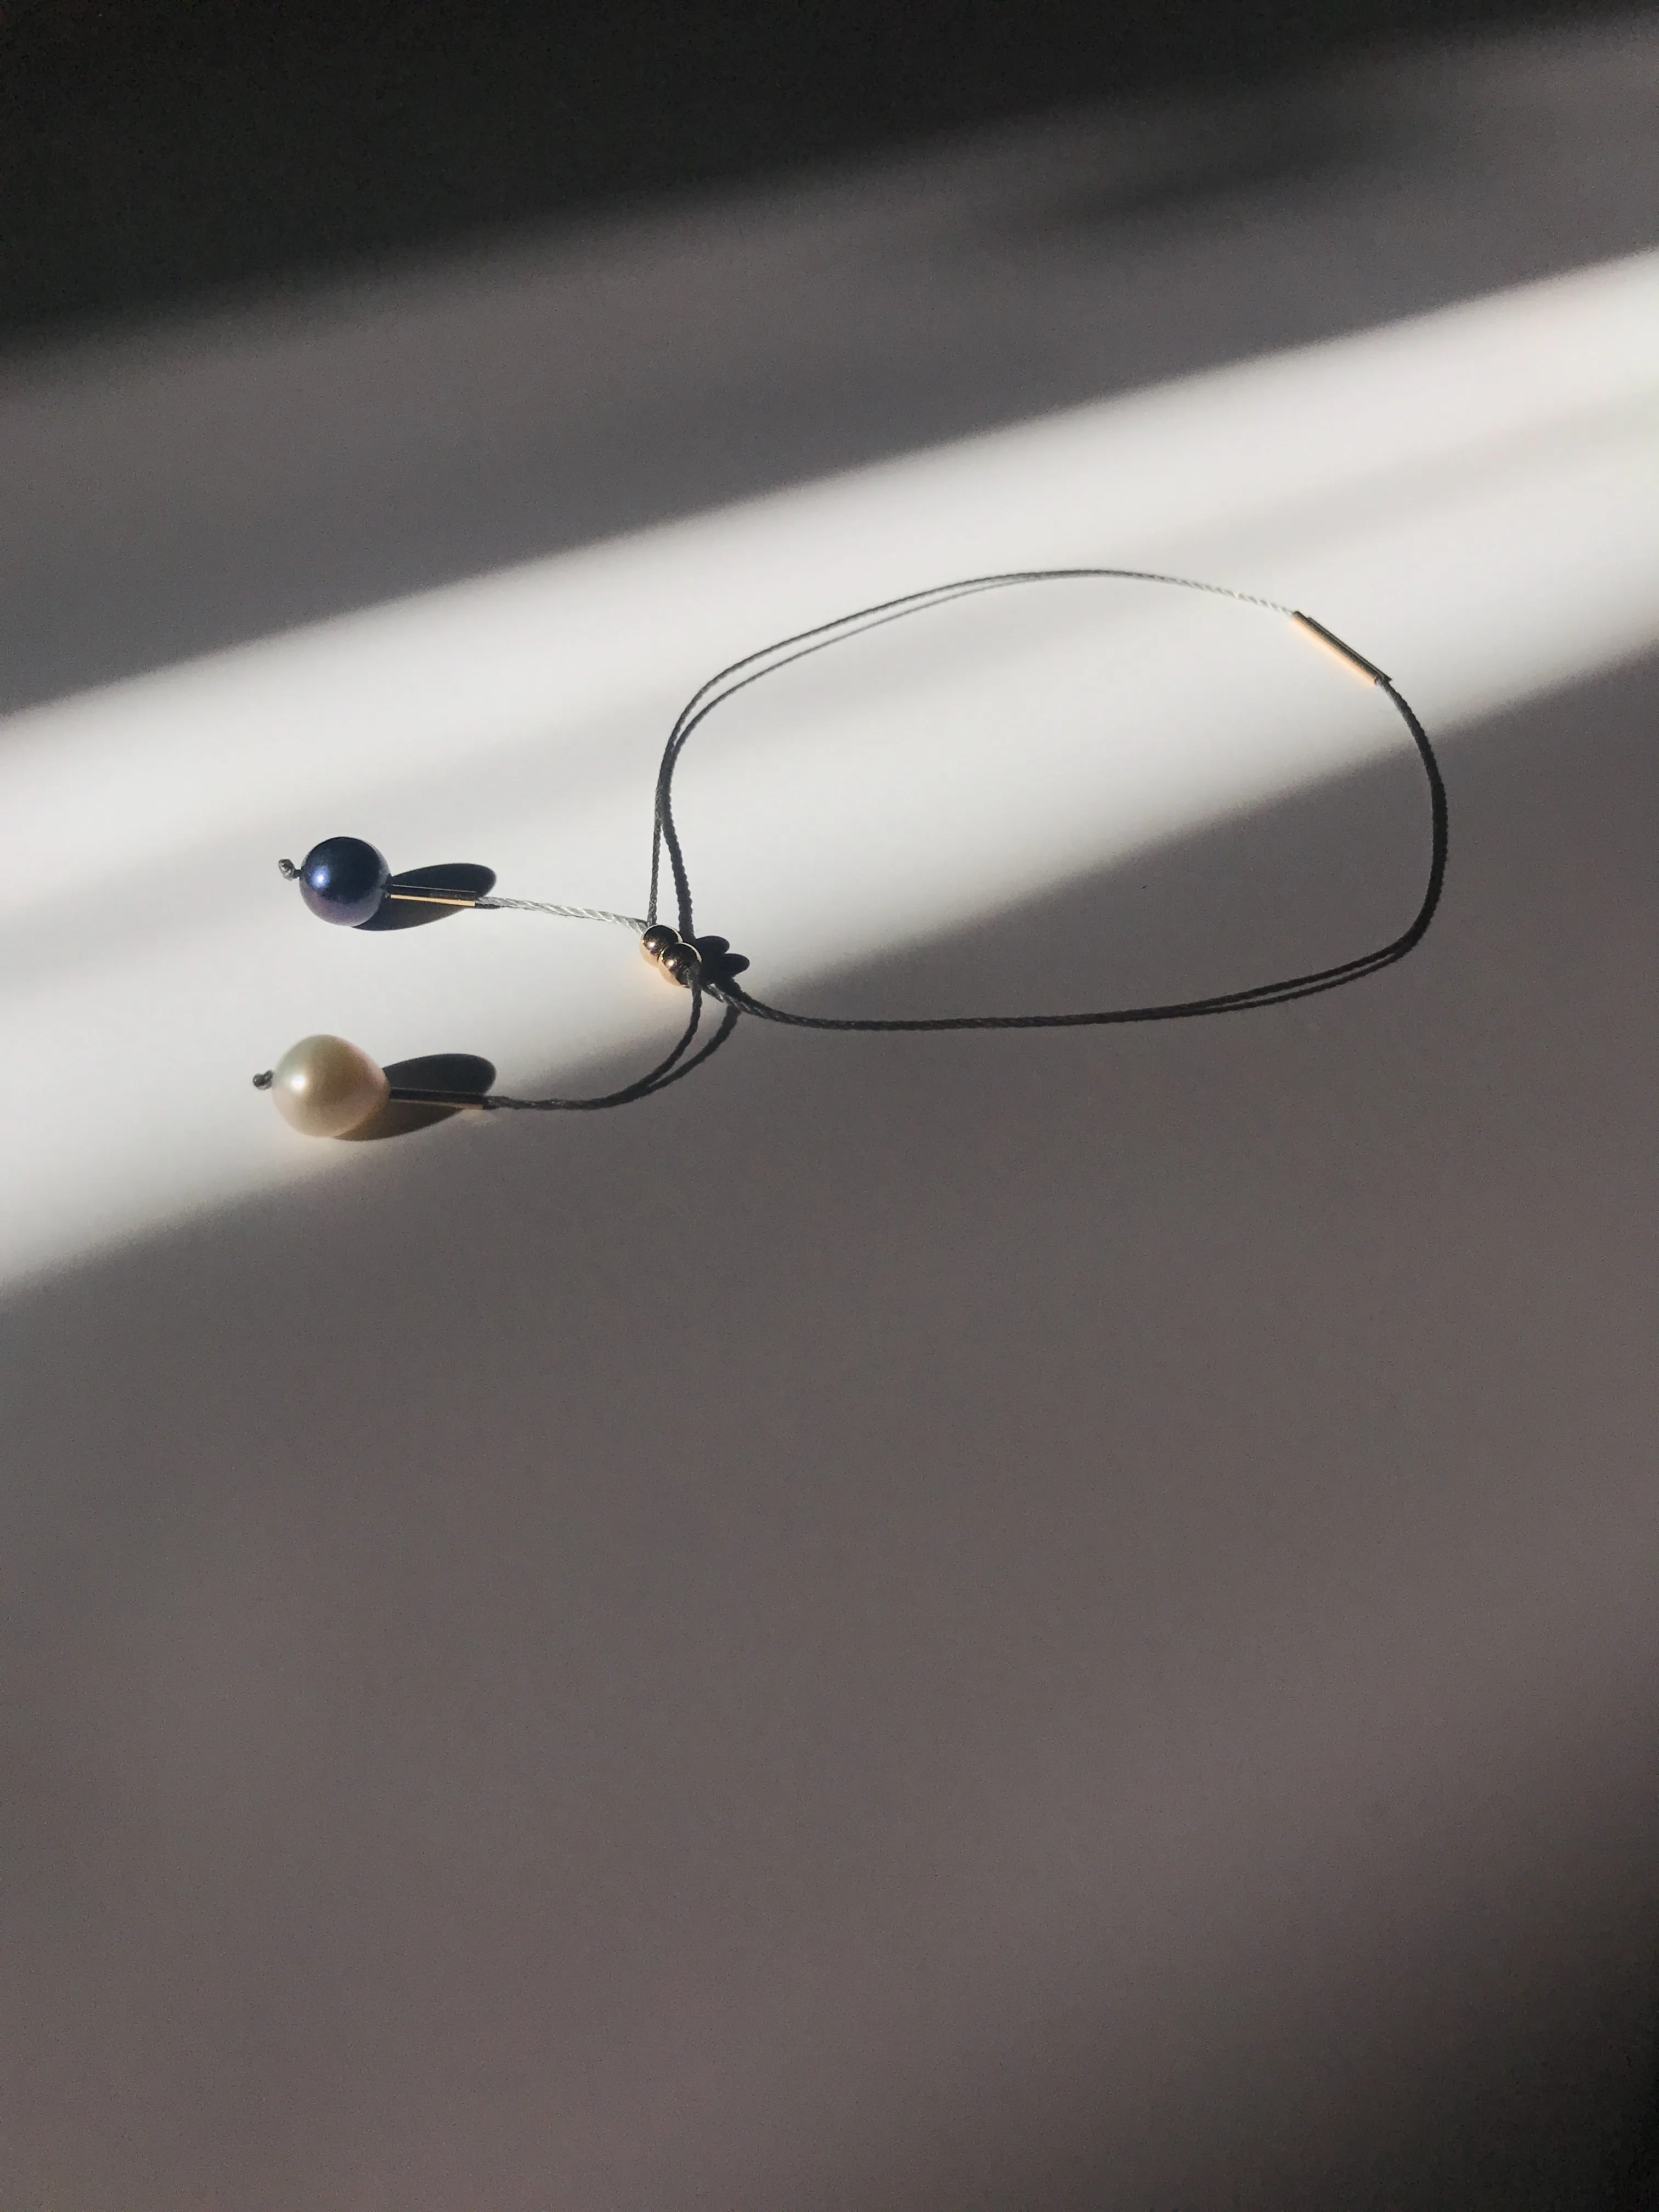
(327,1087)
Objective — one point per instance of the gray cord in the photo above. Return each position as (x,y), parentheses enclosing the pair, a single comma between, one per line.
(714,969)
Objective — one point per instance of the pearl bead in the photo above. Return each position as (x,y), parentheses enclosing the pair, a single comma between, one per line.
(343,880)
(325,1087)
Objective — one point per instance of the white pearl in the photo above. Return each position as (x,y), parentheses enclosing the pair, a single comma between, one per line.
(325,1087)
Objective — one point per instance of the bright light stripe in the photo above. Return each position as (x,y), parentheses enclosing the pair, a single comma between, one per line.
(1471,496)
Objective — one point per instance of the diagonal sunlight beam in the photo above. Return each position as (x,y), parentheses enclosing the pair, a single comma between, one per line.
(1469,497)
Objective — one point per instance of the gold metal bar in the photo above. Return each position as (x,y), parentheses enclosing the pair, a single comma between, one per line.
(1357,662)
(433,898)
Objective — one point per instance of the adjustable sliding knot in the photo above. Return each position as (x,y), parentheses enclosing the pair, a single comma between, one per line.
(707,962)
(678,956)
(326,1086)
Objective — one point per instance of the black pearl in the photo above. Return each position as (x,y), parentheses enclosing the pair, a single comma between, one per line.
(343,880)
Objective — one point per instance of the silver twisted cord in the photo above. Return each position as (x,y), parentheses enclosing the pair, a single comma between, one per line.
(566,913)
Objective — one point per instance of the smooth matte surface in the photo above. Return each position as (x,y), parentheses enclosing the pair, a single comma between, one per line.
(954,1624)
(967,1622)
(258,470)
(153,154)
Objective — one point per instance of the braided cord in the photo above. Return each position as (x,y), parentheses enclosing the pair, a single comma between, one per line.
(722,987)
(755,666)
(668,1070)
(565,913)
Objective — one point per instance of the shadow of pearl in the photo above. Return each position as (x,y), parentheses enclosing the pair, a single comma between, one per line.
(325,1087)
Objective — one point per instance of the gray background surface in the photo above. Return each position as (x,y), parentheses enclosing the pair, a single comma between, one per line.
(969,1623)
(189,487)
